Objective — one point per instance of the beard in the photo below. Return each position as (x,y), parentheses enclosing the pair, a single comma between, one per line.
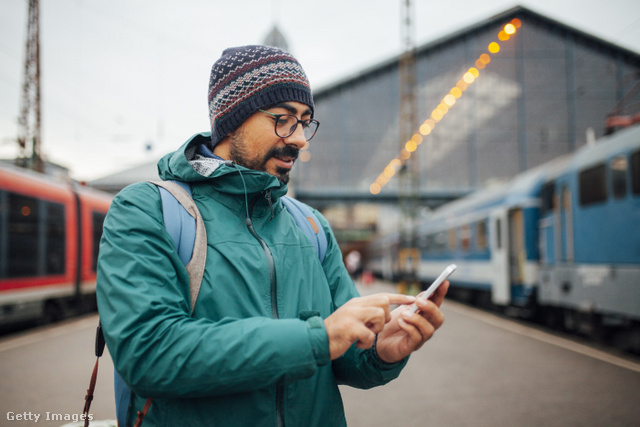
(239,154)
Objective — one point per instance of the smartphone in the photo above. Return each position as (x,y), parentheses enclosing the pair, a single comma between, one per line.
(432,288)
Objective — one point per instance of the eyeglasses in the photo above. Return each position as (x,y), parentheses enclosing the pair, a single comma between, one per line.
(286,125)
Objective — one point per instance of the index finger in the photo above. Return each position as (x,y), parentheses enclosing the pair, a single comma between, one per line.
(399,299)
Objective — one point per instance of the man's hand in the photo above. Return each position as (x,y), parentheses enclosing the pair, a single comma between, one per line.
(407,332)
(360,319)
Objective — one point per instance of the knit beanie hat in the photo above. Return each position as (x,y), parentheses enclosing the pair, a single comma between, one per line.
(248,78)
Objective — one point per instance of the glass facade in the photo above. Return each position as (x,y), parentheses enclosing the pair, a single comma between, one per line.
(535,100)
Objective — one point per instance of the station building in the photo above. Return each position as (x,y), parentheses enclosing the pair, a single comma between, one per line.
(492,100)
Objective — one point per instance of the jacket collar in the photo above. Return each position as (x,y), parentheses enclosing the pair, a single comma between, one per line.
(227,178)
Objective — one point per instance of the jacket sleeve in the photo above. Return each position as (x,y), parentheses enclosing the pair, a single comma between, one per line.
(156,346)
(360,368)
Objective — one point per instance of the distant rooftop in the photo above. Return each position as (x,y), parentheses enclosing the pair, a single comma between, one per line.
(117,181)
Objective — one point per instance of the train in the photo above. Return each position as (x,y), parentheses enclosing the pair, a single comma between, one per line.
(50,231)
(559,243)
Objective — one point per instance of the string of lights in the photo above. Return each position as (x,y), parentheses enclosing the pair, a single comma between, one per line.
(438,113)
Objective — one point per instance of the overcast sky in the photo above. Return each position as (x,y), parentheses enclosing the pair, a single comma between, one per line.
(121,75)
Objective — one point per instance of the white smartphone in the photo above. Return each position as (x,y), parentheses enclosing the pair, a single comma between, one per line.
(436,283)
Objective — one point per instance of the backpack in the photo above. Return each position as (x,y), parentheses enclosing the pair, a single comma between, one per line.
(185,226)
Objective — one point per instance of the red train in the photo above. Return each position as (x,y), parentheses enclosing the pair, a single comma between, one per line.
(49,236)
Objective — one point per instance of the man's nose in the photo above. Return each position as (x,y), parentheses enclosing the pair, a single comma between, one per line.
(297,138)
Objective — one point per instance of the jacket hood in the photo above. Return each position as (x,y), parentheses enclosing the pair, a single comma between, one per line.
(227,177)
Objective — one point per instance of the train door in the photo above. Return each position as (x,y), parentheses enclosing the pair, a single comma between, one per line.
(500,287)
(566,224)
(517,250)
(557,228)
(546,224)
(558,276)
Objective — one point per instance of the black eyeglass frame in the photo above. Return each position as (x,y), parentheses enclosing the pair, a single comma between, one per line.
(305,124)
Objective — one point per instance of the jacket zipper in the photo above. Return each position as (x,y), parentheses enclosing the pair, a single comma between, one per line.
(272,271)
(267,195)
(274,299)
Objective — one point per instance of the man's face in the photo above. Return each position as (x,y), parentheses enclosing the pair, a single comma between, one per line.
(255,144)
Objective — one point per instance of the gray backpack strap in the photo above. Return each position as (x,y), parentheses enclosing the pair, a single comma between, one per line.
(195,267)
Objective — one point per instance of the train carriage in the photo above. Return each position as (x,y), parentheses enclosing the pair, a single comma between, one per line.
(49,236)
(590,234)
(561,240)
(492,237)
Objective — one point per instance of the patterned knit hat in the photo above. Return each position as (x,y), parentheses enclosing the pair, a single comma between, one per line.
(248,78)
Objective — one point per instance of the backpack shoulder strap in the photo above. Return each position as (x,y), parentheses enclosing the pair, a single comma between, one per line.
(184,224)
(180,225)
(308,222)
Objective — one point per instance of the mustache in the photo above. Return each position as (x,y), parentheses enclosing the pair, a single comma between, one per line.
(286,151)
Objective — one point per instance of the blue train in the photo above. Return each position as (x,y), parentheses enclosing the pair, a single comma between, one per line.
(560,242)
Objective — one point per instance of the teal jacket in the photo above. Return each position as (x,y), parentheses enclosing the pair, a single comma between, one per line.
(254,352)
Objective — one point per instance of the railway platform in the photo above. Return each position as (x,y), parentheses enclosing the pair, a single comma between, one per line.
(480,369)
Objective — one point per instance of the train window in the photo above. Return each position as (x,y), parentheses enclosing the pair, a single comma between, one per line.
(452,239)
(54,227)
(619,168)
(546,194)
(36,237)
(423,242)
(440,242)
(593,185)
(481,235)
(635,172)
(465,237)
(426,242)
(430,242)
(97,219)
(23,239)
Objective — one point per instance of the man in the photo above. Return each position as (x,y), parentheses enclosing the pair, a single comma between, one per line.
(273,331)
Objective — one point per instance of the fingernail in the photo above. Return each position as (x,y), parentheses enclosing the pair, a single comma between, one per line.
(407,314)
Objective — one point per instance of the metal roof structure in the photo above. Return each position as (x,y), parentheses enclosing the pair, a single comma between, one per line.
(549,84)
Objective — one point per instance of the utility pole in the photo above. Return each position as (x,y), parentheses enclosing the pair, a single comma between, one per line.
(29,121)
(408,252)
